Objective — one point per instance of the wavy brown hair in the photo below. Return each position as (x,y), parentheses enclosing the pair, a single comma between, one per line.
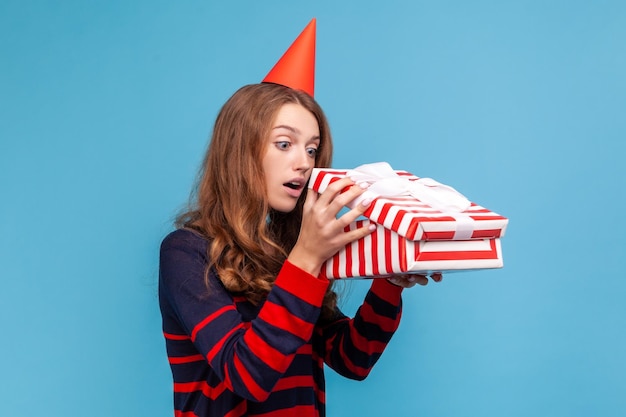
(249,241)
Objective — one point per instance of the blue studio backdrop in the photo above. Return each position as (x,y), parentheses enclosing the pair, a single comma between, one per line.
(105,112)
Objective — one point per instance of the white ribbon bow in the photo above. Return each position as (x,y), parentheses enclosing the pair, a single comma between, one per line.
(384,182)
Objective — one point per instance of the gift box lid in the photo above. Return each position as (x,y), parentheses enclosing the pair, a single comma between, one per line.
(416,208)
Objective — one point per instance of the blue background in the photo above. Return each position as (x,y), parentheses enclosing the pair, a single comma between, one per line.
(105,112)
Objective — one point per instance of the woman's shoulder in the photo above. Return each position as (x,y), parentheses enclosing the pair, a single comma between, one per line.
(185,238)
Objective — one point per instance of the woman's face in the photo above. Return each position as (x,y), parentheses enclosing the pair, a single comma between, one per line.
(290,155)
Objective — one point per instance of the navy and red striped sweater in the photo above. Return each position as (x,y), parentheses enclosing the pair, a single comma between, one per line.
(231,358)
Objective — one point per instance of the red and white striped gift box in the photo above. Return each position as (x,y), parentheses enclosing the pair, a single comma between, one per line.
(385,252)
(417,220)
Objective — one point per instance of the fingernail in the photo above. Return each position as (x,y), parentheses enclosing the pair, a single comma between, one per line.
(363,184)
(372,227)
(366,202)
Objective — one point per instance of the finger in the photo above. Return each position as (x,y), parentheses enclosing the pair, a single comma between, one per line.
(359,233)
(348,194)
(415,279)
(400,282)
(355,212)
(437,276)
(347,199)
(335,188)
(421,279)
(311,198)
(408,280)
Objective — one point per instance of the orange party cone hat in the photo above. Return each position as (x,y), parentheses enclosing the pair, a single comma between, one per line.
(296,68)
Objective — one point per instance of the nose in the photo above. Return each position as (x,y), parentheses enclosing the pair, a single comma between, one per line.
(303,161)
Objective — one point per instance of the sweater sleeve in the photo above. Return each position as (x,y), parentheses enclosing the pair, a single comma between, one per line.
(352,347)
(249,357)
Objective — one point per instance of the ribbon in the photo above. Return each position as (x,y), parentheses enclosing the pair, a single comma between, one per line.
(383,181)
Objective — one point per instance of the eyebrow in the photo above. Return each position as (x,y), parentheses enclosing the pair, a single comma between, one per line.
(296,131)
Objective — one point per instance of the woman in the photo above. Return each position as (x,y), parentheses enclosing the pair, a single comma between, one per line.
(248,323)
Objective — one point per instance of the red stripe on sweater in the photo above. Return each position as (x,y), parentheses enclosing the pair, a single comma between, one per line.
(346,361)
(294,382)
(178,413)
(268,354)
(321,394)
(216,348)
(251,385)
(238,411)
(176,360)
(306,349)
(330,340)
(209,319)
(299,410)
(357,370)
(176,336)
(207,391)
(282,318)
(365,345)
(387,291)
(302,284)
(385,323)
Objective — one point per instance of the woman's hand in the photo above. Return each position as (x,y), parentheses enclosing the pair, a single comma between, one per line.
(322,233)
(409,280)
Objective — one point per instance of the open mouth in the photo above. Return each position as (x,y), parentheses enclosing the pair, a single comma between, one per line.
(293,185)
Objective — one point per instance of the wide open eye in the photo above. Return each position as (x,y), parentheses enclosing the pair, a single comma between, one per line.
(312,152)
(283,145)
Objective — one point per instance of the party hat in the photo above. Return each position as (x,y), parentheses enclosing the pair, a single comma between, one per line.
(296,68)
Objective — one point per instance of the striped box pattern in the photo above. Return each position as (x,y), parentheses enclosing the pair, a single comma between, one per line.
(412,237)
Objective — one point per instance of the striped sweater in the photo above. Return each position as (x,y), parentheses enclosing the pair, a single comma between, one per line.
(231,358)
